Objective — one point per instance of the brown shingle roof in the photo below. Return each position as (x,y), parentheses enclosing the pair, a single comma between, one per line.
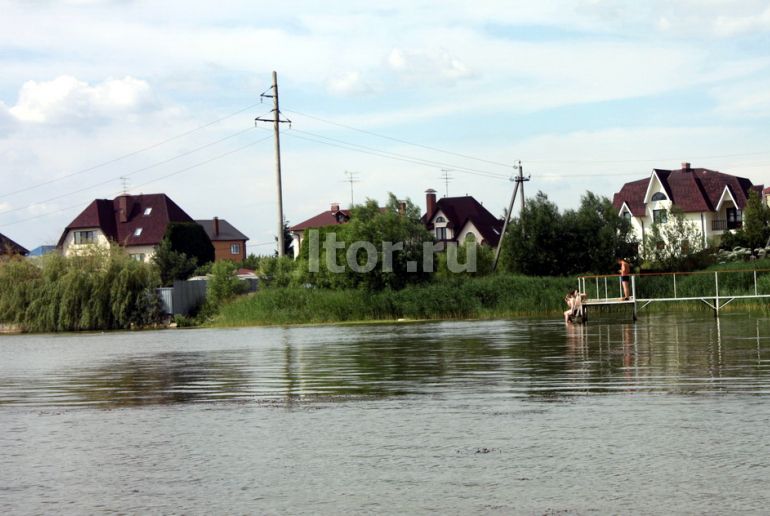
(326,218)
(692,190)
(8,246)
(150,212)
(460,210)
(226,230)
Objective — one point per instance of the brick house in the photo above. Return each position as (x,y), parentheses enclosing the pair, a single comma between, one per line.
(229,243)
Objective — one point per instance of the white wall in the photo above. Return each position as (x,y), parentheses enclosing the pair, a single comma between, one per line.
(69,247)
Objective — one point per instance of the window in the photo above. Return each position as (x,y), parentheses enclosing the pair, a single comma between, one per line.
(147,211)
(138,232)
(440,220)
(440,233)
(659,196)
(85,237)
(139,257)
(627,215)
(235,248)
(659,216)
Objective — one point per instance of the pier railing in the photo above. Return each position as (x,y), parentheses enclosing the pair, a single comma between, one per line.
(714,288)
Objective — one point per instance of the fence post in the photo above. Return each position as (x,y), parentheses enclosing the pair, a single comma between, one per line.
(633,293)
(597,287)
(675,285)
(716,294)
(606,295)
(755,282)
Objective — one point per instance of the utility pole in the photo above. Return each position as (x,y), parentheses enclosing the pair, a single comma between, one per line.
(446,178)
(352,178)
(519,180)
(276,120)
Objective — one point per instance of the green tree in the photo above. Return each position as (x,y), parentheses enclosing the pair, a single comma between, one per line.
(755,221)
(185,247)
(671,245)
(397,224)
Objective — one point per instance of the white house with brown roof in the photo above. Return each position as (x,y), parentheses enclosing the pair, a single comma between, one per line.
(713,201)
(136,223)
(457,219)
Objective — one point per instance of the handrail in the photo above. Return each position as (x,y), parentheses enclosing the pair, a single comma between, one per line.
(693,273)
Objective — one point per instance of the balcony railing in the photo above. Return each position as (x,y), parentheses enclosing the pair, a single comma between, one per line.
(723,224)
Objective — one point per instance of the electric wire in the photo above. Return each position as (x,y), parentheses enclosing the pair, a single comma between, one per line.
(128,155)
(133,172)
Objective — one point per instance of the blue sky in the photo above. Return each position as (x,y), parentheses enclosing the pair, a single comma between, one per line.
(588,94)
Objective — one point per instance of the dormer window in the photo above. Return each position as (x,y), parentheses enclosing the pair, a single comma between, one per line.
(659,196)
(147,212)
(137,232)
(440,220)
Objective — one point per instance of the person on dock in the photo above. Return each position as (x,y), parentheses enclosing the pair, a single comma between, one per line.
(574,300)
(625,278)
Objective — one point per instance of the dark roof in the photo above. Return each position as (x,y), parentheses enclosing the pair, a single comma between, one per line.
(226,230)
(8,246)
(460,210)
(692,190)
(105,214)
(323,219)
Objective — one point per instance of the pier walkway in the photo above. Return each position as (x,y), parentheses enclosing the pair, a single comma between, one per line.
(716,289)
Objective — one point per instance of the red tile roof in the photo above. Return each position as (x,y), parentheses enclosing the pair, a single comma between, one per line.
(150,212)
(460,210)
(323,219)
(692,190)
(8,246)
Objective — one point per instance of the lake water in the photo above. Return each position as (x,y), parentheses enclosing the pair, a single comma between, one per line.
(668,415)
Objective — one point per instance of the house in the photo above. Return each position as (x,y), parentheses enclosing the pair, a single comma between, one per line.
(712,200)
(457,219)
(135,222)
(42,250)
(229,243)
(331,217)
(9,247)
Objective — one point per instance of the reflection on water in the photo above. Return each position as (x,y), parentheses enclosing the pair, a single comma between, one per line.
(666,416)
(523,358)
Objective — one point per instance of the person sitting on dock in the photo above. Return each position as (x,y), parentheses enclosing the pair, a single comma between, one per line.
(574,300)
(625,278)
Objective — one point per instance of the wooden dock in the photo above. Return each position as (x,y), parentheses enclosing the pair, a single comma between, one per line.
(738,284)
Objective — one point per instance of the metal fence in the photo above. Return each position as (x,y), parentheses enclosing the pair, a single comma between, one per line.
(183,297)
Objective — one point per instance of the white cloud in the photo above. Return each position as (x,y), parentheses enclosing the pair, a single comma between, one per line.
(744,100)
(7,120)
(351,83)
(429,66)
(733,25)
(66,99)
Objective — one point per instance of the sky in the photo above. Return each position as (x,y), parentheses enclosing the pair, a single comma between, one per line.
(98,96)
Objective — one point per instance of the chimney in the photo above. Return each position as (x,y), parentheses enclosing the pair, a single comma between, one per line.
(335,208)
(430,200)
(123,208)
(685,166)
(402,208)
(216,226)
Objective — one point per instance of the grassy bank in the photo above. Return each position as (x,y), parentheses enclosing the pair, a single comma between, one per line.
(488,297)
(455,298)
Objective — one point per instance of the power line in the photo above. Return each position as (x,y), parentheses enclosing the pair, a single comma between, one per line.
(446,178)
(399,140)
(128,155)
(566,161)
(393,155)
(352,178)
(124,176)
(238,149)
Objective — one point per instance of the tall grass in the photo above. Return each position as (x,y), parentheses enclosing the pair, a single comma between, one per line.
(456,298)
